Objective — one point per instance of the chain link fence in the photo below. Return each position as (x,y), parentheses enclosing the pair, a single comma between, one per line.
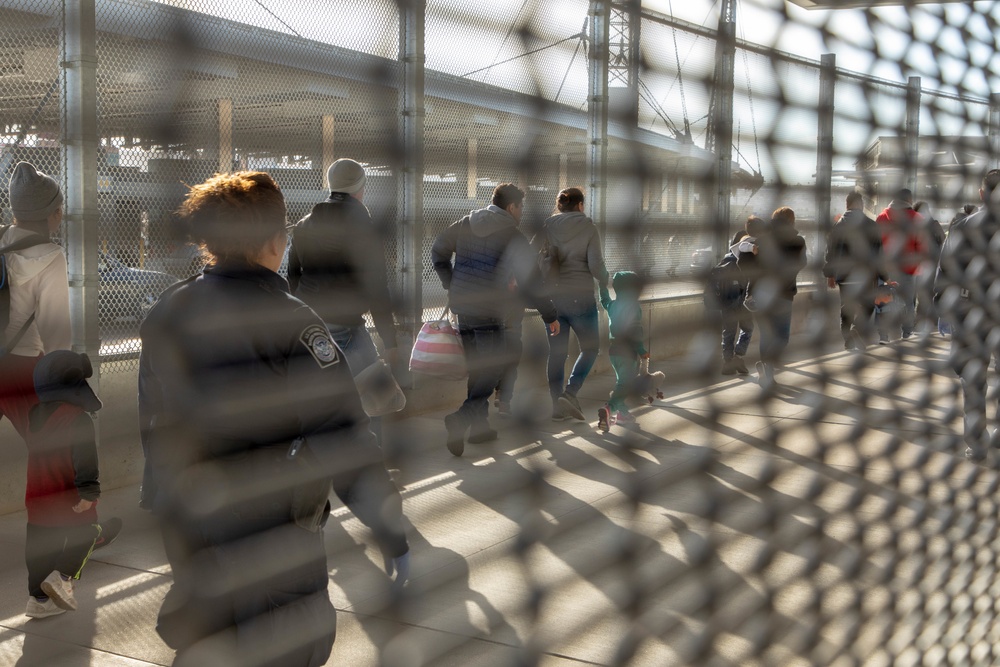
(877,555)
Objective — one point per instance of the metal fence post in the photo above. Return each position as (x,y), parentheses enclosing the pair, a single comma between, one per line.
(720,135)
(912,143)
(412,17)
(79,173)
(597,109)
(993,160)
(824,152)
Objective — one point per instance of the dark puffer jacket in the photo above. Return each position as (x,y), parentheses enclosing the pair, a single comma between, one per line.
(494,268)
(337,265)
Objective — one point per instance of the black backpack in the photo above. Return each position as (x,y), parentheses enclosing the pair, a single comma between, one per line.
(726,286)
(27,242)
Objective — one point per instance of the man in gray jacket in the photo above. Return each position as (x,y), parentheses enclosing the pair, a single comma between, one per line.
(493,269)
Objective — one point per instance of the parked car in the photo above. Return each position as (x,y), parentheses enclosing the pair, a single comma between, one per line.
(126,294)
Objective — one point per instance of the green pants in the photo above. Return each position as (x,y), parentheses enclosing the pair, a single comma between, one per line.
(626,372)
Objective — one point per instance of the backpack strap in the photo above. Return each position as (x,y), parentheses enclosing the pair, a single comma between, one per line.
(17,337)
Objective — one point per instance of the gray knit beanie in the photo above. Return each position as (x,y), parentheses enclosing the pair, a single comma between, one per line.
(33,195)
(346,176)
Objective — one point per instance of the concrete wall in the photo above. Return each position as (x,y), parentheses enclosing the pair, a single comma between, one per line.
(675,326)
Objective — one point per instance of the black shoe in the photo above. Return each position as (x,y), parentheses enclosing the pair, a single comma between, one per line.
(109,532)
(740,366)
(570,404)
(728,367)
(456,427)
(481,435)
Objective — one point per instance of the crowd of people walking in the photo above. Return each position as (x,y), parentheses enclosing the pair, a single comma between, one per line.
(249,395)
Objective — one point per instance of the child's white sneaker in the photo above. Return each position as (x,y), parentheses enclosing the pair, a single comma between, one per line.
(39,609)
(59,591)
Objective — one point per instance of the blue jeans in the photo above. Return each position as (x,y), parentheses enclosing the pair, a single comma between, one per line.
(359,350)
(483,344)
(580,315)
(775,324)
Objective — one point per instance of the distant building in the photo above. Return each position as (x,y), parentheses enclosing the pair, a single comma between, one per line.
(949,170)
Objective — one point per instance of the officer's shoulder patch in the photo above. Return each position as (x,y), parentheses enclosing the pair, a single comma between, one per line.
(317,340)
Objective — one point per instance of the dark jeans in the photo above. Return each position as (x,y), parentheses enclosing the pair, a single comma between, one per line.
(359,350)
(483,344)
(64,549)
(512,355)
(775,325)
(737,330)
(857,305)
(580,315)
(970,359)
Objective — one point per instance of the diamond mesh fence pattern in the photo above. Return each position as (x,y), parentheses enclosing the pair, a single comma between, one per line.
(824,515)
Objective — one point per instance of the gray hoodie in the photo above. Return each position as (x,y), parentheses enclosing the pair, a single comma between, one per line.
(577,242)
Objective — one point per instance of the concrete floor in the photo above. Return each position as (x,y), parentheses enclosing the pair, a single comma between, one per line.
(828,523)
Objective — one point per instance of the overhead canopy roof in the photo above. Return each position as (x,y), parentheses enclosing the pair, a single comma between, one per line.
(865,4)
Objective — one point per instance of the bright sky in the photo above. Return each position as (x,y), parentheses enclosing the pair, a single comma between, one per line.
(949,46)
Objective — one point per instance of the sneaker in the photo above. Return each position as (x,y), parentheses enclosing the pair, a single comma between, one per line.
(559,415)
(570,404)
(604,419)
(728,367)
(456,427)
(42,608)
(503,408)
(59,590)
(480,435)
(765,375)
(740,365)
(109,532)
(883,340)
(858,340)
(907,334)
(849,343)
(980,457)
(624,418)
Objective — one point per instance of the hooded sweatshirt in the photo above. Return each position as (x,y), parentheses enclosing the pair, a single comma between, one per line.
(577,244)
(494,268)
(39,284)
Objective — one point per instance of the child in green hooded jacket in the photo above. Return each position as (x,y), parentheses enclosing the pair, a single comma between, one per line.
(627,346)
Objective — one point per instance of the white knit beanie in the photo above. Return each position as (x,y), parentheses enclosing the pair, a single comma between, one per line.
(346,175)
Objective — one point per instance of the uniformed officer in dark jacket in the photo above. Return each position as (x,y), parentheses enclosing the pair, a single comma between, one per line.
(248,414)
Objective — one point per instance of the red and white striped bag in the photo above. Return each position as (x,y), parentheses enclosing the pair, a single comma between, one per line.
(438,350)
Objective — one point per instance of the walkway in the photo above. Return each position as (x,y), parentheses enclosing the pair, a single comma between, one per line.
(728,530)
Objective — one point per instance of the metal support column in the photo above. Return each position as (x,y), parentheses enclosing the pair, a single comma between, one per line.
(472,176)
(597,109)
(224,121)
(412,17)
(327,128)
(824,152)
(79,171)
(993,161)
(912,142)
(720,135)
